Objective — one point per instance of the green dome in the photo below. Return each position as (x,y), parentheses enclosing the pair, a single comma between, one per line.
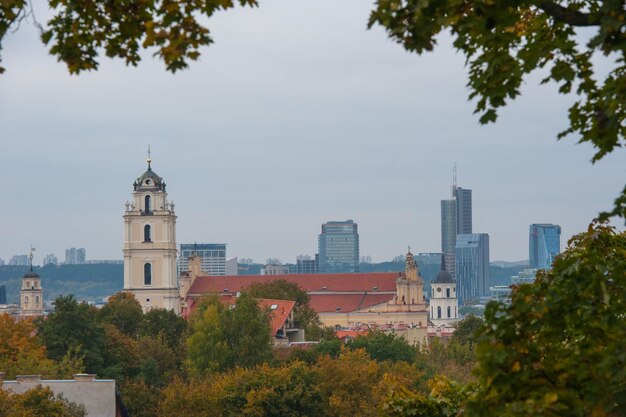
(149,180)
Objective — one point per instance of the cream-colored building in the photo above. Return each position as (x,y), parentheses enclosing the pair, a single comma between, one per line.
(150,244)
(31,295)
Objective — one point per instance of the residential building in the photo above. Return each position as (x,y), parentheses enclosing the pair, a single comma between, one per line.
(19,260)
(525,276)
(50,259)
(544,243)
(3,294)
(338,246)
(275,269)
(98,396)
(150,244)
(232,266)
(306,265)
(212,256)
(74,256)
(472,266)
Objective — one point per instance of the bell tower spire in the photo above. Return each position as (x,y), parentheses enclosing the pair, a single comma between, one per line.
(150,244)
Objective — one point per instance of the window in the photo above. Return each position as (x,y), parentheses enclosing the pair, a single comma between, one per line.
(37,301)
(146,233)
(449,312)
(448,294)
(25,299)
(147,274)
(438,312)
(147,203)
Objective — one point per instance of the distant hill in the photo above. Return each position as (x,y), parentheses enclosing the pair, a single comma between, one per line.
(96,281)
(88,281)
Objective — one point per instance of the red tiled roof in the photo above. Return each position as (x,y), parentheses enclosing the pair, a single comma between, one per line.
(353,334)
(355,282)
(279,314)
(329,303)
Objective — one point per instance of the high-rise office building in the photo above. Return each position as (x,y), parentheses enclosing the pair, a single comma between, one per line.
(472,266)
(338,246)
(75,256)
(456,219)
(463,199)
(544,244)
(212,257)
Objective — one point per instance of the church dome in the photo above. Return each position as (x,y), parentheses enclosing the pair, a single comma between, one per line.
(149,180)
(31,274)
(443,277)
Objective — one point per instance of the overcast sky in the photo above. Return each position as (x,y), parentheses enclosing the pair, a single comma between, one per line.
(296,115)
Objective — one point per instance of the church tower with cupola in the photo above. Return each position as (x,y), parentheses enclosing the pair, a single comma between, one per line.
(150,244)
(31,293)
(443,299)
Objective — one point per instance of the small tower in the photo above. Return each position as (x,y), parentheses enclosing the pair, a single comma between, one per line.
(150,244)
(31,293)
(443,299)
(410,287)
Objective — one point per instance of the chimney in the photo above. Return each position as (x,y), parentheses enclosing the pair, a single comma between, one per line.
(28,378)
(84,377)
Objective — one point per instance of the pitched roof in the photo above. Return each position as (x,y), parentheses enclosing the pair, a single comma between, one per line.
(344,303)
(350,282)
(279,312)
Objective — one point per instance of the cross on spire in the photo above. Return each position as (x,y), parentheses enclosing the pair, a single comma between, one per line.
(149,158)
(30,256)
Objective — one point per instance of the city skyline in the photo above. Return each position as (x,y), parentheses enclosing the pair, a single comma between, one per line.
(253,157)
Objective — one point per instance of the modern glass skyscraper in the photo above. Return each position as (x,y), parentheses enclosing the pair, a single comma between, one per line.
(213,257)
(472,266)
(456,219)
(463,210)
(338,246)
(544,243)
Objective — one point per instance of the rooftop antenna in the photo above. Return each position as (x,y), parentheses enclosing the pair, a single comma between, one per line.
(454,179)
(149,158)
(30,256)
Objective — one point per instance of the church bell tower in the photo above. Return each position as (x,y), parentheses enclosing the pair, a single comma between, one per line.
(150,244)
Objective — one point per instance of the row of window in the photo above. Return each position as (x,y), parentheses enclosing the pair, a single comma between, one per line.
(36,300)
(449,311)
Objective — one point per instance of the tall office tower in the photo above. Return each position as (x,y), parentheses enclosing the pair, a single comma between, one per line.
(544,244)
(448,232)
(456,219)
(50,259)
(463,210)
(338,246)
(212,257)
(75,256)
(472,266)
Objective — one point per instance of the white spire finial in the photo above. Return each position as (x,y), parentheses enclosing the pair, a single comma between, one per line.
(30,256)
(149,158)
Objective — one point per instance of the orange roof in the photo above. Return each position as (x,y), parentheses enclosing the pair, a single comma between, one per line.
(279,312)
(353,282)
(353,334)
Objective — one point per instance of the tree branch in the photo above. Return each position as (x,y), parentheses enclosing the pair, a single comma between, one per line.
(567,15)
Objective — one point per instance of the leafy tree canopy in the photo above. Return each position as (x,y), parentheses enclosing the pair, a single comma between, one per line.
(122,311)
(558,349)
(72,327)
(384,347)
(223,337)
(38,402)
